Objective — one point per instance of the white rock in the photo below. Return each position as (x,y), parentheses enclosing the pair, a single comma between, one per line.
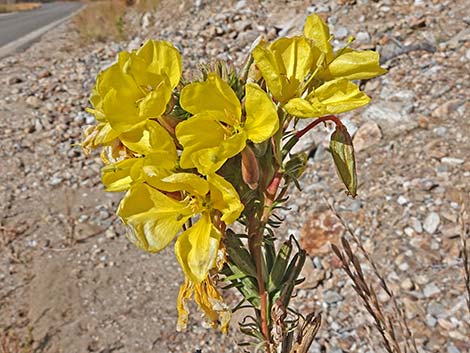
(362,38)
(402,200)
(431,223)
(452,160)
(430,290)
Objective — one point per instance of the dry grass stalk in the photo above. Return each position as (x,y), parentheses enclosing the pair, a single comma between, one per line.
(383,321)
(465,251)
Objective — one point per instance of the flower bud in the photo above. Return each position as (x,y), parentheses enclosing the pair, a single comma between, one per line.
(342,150)
(250,168)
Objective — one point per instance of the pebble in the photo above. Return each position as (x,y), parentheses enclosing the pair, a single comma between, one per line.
(362,37)
(431,223)
(341,32)
(452,160)
(367,136)
(332,297)
(402,200)
(452,349)
(430,290)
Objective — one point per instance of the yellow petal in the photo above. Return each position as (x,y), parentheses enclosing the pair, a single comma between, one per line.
(207,143)
(272,72)
(196,249)
(192,183)
(212,96)
(149,137)
(224,198)
(121,111)
(262,121)
(154,104)
(153,219)
(209,160)
(302,108)
(117,177)
(161,58)
(357,65)
(317,30)
(296,56)
(338,96)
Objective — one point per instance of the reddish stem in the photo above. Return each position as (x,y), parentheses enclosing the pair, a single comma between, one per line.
(314,123)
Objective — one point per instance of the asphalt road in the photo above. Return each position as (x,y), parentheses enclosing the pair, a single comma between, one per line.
(19,24)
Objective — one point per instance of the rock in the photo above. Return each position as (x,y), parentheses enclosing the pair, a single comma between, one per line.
(147,20)
(431,223)
(402,200)
(313,276)
(33,101)
(362,37)
(431,321)
(416,224)
(332,297)
(431,290)
(407,284)
(44,74)
(366,136)
(392,117)
(452,160)
(447,108)
(452,349)
(319,231)
(341,32)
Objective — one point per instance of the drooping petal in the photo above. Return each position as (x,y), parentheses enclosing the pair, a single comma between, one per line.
(153,219)
(212,304)
(262,120)
(317,30)
(338,96)
(225,198)
(184,295)
(212,96)
(196,248)
(356,65)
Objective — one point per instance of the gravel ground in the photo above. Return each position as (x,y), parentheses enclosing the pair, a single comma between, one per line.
(71,282)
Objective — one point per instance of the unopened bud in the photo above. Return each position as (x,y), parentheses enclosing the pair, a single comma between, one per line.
(342,151)
(250,168)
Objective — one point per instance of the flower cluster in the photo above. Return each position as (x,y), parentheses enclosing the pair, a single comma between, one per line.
(193,158)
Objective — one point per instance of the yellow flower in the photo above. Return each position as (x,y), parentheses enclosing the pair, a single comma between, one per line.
(136,88)
(346,63)
(159,159)
(217,130)
(285,64)
(209,301)
(154,218)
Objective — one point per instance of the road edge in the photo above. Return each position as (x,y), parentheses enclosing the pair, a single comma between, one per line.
(11,47)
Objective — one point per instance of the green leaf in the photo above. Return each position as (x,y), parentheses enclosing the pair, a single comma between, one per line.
(342,150)
(280,266)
